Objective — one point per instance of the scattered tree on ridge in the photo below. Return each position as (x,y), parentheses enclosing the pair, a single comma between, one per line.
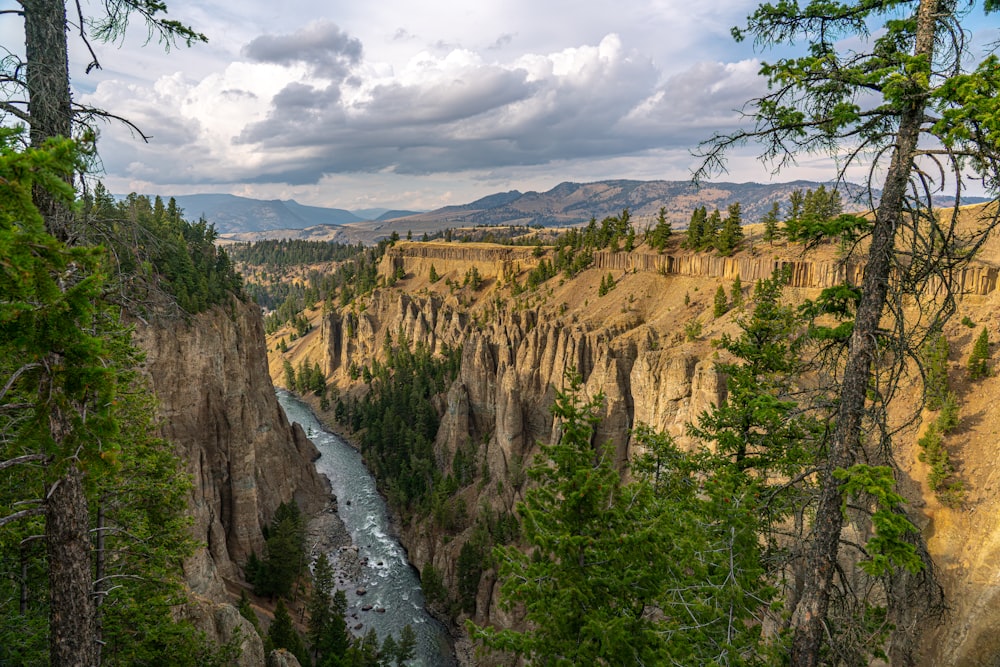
(979,358)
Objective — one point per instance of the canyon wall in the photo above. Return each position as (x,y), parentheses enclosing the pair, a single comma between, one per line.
(755,264)
(634,349)
(217,406)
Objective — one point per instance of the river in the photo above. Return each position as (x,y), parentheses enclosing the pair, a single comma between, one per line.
(390,582)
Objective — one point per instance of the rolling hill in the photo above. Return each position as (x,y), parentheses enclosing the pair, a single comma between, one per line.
(567,204)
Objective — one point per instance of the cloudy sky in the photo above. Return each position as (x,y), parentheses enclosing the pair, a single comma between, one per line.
(403,104)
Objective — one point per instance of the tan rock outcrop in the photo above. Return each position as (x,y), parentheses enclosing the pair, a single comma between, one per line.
(280,657)
(218,407)
(222,623)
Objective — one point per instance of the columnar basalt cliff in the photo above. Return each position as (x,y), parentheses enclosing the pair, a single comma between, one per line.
(218,407)
(757,264)
(638,347)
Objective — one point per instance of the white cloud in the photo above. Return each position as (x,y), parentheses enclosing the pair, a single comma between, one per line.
(470,96)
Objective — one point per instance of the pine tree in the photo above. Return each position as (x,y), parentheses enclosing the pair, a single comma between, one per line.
(978,364)
(696,229)
(607,284)
(604,552)
(737,293)
(720,305)
(660,234)
(757,425)
(320,603)
(364,653)
(710,230)
(433,277)
(282,634)
(247,612)
(935,359)
(595,561)
(285,560)
(406,650)
(731,234)
(80,463)
(793,221)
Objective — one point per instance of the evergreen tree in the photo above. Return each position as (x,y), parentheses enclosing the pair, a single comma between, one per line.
(320,606)
(470,569)
(594,565)
(247,612)
(364,653)
(793,220)
(336,641)
(935,357)
(771,230)
(757,424)
(979,366)
(433,277)
(607,284)
(736,298)
(77,450)
(720,305)
(388,653)
(710,231)
(285,560)
(630,239)
(696,228)
(327,628)
(604,553)
(282,634)
(406,650)
(658,237)
(731,234)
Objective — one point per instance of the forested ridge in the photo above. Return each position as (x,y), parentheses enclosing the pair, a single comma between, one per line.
(68,359)
(156,249)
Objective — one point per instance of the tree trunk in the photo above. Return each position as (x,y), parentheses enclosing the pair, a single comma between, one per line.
(809,617)
(100,589)
(50,106)
(71,615)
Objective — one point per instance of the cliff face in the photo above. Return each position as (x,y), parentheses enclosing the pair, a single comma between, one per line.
(218,407)
(513,361)
(639,348)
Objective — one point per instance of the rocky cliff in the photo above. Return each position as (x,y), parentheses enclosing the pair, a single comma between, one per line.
(218,407)
(646,347)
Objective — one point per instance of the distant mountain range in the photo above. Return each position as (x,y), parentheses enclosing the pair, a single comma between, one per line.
(240,218)
(234,215)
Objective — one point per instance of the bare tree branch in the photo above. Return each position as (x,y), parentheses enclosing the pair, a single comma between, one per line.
(23,514)
(18,460)
(15,376)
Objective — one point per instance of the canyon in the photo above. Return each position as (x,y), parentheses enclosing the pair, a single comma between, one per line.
(638,347)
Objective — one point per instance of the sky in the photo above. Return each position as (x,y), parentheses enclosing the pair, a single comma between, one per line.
(421,104)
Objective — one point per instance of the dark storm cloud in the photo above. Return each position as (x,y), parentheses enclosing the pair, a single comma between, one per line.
(472,115)
(324,47)
(457,112)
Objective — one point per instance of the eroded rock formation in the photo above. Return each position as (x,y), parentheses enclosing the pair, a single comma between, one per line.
(218,407)
(516,353)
